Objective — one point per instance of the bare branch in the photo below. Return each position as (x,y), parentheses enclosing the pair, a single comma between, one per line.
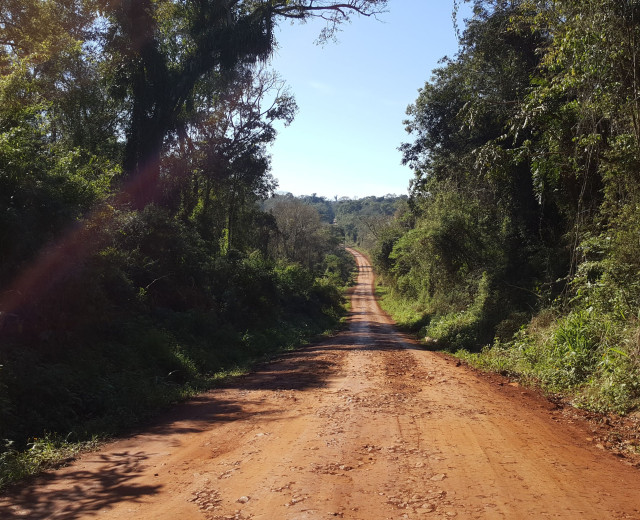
(334,13)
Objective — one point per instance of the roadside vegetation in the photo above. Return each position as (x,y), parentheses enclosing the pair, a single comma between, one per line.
(138,264)
(144,253)
(518,248)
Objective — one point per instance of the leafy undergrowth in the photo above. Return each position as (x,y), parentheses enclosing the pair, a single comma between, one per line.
(442,321)
(409,316)
(591,359)
(41,454)
(67,391)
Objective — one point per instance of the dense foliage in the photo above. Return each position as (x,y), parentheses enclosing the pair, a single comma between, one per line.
(525,208)
(136,261)
(365,221)
(358,222)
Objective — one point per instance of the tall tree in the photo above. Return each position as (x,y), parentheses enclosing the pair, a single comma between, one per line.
(161,49)
(223,151)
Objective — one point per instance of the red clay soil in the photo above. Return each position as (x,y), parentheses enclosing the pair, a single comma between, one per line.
(365,425)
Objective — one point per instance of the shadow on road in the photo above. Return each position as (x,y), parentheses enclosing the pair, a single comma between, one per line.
(112,484)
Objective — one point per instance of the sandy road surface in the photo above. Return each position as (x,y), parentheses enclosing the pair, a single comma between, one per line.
(363,426)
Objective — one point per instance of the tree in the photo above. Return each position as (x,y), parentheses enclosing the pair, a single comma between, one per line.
(222,156)
(475,236)
(160,50)
(58,151)
(300,232)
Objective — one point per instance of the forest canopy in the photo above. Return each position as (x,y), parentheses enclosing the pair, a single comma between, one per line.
(524,221)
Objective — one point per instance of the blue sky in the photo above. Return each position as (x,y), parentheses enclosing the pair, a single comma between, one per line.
(352,96)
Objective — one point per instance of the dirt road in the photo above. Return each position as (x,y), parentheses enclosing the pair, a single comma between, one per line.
(366,426)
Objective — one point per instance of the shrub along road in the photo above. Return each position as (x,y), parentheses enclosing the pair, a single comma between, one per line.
(365,425)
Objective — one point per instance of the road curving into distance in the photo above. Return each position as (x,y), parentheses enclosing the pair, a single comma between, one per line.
(364,425)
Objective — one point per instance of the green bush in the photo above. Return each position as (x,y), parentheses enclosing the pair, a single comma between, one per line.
(573,350)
